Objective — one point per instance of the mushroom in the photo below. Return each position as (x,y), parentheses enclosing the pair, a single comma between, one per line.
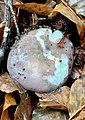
(42,60)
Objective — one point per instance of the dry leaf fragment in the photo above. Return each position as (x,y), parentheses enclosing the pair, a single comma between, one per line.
(25,108)
(81,116)
(83,72)
(2,24)
(48,114)
(82,37)
(67,12)
(1,109)
(78,5)
(40,9)
(8,85)
(56,100)
(9,101)
(77,97)
(7,114)
(2,9)
(77,113)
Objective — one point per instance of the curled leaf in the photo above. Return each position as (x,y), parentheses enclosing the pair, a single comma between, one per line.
(8,85)
(7,114)
(2,24)
(56,100)
(68,12)
(77,97)
(78,5)
(9,101)
(40,9)
(48,114)
(25,108)
(82,37)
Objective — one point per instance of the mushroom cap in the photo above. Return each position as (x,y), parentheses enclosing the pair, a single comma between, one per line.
(41,61)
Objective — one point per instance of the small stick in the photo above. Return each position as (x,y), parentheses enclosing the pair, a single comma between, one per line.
(6,35)
(14,17)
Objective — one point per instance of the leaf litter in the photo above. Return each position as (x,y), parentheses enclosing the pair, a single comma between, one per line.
(68,101)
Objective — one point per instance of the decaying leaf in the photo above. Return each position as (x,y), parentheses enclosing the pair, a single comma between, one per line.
(48,114)
(8,85)
(77,97)
(2,24)
(83,72)
(67,12)
(2,8)
(56,100)
(81,116)
(77,113)
(78,5)
(8,107)
(82,37)
(25,108)
(7,114)
(9,101)
(1,109)
(40,9)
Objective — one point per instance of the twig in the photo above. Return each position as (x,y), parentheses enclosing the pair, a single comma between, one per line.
(6,35)
(7,25)
(14,17)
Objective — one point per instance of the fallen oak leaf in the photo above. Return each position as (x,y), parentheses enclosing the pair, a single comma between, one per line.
(8,107)
(8,85)
(83,72)
(67,12)
(82,36)
(49,114)
(9,101)
(2,25)
(57,100)
(40,9)
(78,5)
(8,114)
(1,109)
(25,108)
(77,112)
(77,97)
(81,115)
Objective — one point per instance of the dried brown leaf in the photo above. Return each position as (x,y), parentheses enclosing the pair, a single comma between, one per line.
(1,109)
(40,9)
(77,97)
(68,12)
(82,36)
(24,109)
(56,100)
(78,5)
(8,85)
(2,24)
(48,114)
(2,9)
(81,116)
(7,114)
(83,71)
(77,113)
(9,101)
